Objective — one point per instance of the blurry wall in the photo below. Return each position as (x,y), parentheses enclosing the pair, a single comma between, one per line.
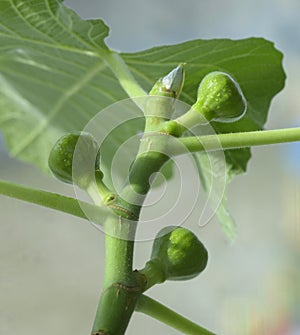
(51,264)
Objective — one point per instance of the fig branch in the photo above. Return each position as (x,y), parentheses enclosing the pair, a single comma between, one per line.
(122,285)
(237,140)
(164,314)
(54,201)
(122,72)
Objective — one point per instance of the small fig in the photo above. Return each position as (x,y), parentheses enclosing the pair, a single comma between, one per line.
(61,158)
(178,253)
(220,98)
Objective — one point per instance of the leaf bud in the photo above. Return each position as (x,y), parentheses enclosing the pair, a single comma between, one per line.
(170,85)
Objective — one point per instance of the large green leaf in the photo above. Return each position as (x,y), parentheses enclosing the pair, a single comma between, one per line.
(53,79)
(56,73)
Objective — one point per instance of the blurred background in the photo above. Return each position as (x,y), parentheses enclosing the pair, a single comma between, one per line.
(52,264)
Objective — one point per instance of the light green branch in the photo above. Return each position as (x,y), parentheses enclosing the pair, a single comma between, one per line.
(122,72)
(164,314)
(52,200)
(237,140)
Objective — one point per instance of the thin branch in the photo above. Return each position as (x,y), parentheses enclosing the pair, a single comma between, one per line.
(164,314)
(122,72)
(53,200)
(236,140)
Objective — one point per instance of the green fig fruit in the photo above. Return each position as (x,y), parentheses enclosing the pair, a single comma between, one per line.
(178,253)
(61,158)
(220,98)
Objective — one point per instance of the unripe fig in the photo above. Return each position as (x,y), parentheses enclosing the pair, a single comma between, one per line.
(61,158)
(178,253)
(220,98)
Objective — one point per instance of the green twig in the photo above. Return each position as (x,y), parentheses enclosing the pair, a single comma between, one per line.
(122,285)
(164,314)
(237,140)
(120,289)
(51,200)
(121,71)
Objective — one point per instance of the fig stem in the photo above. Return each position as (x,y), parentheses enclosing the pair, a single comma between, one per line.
(153,273)
(120,288)
(164,314)
(51,200)
(115,309)
(123,73)
(239,140)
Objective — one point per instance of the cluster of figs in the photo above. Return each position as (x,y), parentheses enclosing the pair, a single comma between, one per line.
(177,253)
